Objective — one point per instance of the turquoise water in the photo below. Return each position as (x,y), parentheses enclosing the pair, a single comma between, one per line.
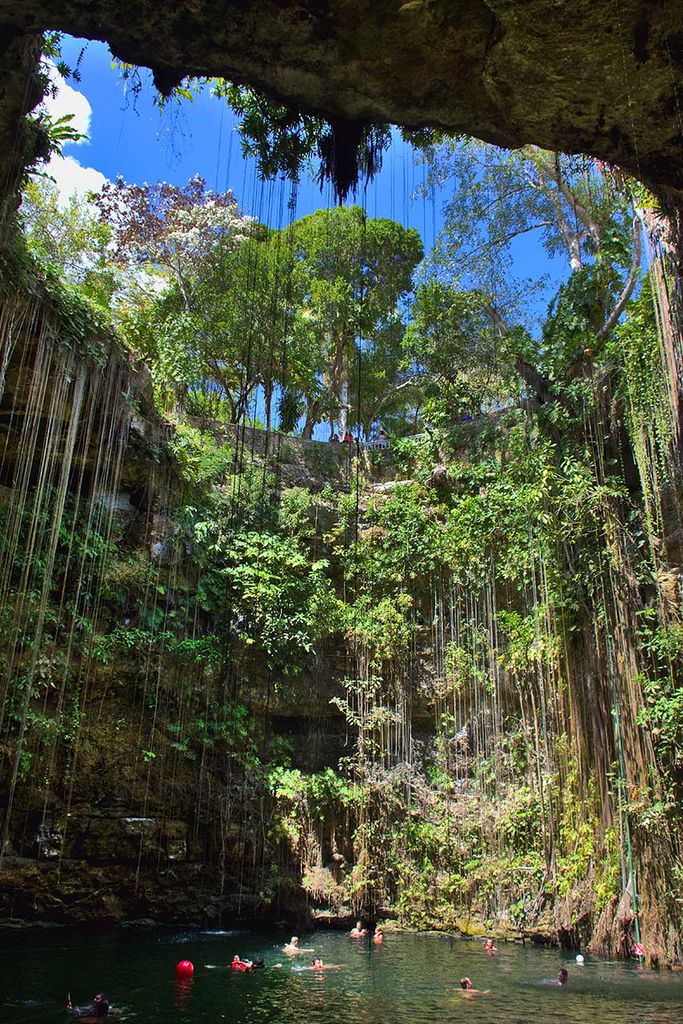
(411,978)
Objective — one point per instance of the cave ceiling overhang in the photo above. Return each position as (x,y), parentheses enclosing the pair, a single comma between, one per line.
(604,77)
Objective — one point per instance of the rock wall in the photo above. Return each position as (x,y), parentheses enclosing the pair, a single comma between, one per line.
(586,77)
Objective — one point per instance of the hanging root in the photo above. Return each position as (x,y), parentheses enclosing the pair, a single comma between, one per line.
(612,935)
(349,152)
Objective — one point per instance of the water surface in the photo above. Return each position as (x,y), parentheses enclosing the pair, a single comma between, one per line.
(410,979)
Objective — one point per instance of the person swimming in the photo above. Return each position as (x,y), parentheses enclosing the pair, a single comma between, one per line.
(359,931)
(468,989)
(318,965)
(378,937)
(241,965)
(292,947)
(97,1011)
(562,976)
(489,947)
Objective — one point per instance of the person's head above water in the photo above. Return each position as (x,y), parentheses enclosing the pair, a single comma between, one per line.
(465,983)
(101,1004)
(562,976)
(317,962)
(294,941)
(236,958)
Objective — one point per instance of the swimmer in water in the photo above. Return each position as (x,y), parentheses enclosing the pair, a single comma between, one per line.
(469,991)
(562,976)
(489,947)
(378,937)
(98,1011)
(359,931)
(241,965)
(293,947)
(318,965)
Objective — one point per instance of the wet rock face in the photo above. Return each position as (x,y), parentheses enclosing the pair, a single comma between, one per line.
(594,76)
(77,893)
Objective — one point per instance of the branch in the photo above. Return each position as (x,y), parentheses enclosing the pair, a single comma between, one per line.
(495,317)
(630,282)
(536,380)
(410,382)
(495,243)
(572,239)
(593,228)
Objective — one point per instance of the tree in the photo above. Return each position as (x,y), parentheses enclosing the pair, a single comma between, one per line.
(168,228)
(459,357)
(355,272)
(241,330)
(244,304)
(582,210)
(69,237)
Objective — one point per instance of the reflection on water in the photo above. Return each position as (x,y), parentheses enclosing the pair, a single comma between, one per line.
(409,979)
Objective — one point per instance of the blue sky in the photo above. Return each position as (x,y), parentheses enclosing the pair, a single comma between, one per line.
(131,137)
(128,135)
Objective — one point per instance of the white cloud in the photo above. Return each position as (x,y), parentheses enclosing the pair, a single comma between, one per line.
(71,177)
(67,100)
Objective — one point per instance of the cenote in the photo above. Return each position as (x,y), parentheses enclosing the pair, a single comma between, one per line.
(409,978)
(341,507)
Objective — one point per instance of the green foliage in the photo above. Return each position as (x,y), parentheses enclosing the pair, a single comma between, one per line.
(525,530)
(321,791)
(199,459)
(284,140)
(577,833)
(663,714)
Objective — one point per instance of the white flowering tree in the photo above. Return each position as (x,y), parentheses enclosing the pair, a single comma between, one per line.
(171,229)
(166,237)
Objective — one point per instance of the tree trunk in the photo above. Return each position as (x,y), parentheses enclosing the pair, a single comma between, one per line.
(312,416)
(268,398)
(341,379)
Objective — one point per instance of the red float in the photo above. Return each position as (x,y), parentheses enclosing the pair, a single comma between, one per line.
(184,969)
